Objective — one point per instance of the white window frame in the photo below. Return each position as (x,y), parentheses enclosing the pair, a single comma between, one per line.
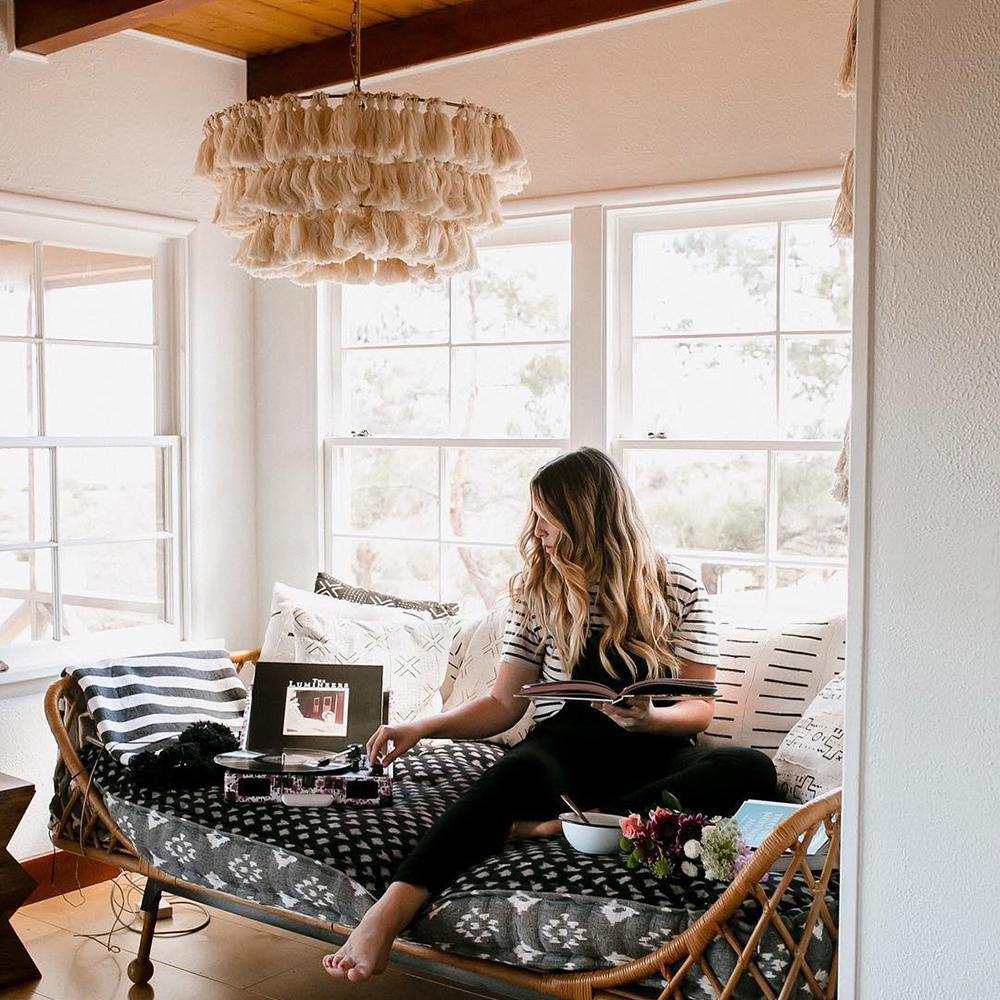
(600,223)
(43,221)
(521,231)
(624,225)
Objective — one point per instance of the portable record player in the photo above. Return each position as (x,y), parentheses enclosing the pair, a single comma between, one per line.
(303,740)
(305,778)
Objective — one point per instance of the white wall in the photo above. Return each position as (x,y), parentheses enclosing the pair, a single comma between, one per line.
(703,92)
(930,794)
(117,123)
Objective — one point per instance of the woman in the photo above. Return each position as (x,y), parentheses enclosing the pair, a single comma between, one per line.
(593,593)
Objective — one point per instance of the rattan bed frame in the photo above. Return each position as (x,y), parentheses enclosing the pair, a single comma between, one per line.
(86,827)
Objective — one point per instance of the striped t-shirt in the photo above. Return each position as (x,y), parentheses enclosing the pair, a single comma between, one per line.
(695,637)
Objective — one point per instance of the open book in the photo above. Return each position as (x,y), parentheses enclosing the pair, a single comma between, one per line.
(659,689)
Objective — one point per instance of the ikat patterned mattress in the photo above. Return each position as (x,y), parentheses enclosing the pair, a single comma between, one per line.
(538,904)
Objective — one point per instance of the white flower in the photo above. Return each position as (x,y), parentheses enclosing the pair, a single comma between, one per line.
(692,849)
(689,869)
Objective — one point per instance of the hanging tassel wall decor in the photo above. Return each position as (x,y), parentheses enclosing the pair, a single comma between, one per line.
(359,187)
(842,223)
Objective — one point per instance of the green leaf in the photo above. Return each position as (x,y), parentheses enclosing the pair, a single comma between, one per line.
(671,801)
(625,845)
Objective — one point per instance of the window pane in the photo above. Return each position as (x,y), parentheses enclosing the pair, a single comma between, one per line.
(517,293)
(99,390)
(810,521)
(388,491)
(24,495)
(476,575)
(112,586)
(111,492)
(702,499)
(487,491)
(510,391)
(737,590)
(411,313)
(397,392)
(716,280)
(16,261)
(17,389)
(704,388)
(812,591)
(406,569)
(817,278)
(97,296)
(25,595)
(815,386)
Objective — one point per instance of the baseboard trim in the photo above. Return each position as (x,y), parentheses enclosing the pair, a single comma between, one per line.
(59,872)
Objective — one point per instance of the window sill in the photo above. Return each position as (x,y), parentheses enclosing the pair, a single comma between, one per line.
(31,664)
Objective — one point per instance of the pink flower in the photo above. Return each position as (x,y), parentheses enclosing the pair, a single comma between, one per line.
(630,825)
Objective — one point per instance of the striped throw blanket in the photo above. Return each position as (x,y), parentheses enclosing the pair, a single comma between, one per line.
(139,701)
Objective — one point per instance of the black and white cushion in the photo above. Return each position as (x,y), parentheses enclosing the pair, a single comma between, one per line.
(140,700)
(810,760)
(768,675)
(341,591)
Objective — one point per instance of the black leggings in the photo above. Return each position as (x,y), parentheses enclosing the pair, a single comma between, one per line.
(584,754)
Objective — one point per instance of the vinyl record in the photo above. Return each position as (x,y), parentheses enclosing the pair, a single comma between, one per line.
(278,762)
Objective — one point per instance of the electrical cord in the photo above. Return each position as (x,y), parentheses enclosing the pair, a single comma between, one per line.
(120,898)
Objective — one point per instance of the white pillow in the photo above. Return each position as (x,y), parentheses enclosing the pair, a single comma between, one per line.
(413,654)
(478,670)
(768,676)
(810,759)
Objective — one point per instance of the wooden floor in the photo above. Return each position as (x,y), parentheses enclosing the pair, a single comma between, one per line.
(230,959)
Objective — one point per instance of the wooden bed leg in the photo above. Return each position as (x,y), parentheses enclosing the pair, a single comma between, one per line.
(140,969)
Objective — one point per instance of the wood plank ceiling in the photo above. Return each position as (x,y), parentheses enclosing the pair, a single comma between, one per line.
(302,45)
(248,28)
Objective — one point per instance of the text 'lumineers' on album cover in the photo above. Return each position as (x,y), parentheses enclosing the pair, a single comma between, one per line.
(316,708)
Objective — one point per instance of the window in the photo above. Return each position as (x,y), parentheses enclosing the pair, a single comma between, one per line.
(716,370)
(449,396)
(89,466)
(734,378)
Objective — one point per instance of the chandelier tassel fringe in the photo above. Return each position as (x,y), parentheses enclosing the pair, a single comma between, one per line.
(365,187)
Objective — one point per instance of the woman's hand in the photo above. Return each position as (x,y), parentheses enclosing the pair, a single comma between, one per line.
(633,714)
(402,738)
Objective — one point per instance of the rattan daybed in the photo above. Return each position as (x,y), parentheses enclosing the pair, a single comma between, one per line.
(686,965)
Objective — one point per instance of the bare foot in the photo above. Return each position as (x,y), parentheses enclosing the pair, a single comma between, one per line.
(366,952)
(524,829)
(363,955)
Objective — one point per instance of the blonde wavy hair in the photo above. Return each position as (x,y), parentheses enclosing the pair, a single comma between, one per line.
(603,541)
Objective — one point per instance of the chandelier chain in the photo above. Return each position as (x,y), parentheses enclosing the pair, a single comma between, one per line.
(356,43)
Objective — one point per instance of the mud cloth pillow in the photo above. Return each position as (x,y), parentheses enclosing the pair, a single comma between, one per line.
(341,591)
(810,760)
(767,675)
(477,669)
(413,654)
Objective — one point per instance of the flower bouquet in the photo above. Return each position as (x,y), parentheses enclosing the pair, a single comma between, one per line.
(669,841)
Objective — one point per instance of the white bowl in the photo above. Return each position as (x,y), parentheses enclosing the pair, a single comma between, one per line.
(601,837)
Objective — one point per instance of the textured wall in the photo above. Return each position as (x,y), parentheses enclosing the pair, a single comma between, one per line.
(931,795)
(117,123)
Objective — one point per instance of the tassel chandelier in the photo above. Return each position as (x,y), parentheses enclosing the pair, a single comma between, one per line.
(359,187)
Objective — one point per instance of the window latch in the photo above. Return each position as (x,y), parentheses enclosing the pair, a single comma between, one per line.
(363,433)
(656,434)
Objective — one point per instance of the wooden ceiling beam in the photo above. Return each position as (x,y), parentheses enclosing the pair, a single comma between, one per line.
(440,34)
(47,26)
